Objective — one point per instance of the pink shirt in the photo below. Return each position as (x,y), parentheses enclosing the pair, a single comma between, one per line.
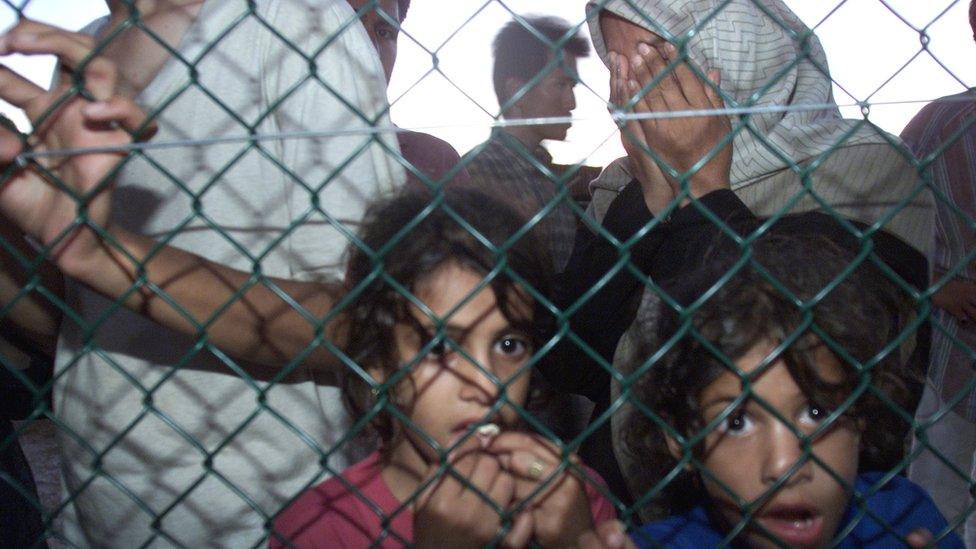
(350,510)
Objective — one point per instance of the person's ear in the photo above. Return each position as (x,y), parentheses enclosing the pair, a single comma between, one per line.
(676,450)
(512,86)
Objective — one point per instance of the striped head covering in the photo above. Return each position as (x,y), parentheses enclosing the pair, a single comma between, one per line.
(768,59)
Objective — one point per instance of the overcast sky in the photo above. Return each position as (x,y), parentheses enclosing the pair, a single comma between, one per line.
(875,56)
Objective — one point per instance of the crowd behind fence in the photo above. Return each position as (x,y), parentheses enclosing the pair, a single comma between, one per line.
(250,310)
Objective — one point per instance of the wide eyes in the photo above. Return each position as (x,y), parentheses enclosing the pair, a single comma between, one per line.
(507,347)
(737,424)
(813,415)
(740,422)
(512,346)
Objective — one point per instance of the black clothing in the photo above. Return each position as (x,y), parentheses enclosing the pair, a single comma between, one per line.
(20,517)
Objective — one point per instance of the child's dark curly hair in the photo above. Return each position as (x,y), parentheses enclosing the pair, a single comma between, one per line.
(861,314)
(405,239)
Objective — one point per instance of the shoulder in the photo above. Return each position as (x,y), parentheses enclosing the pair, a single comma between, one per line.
(896,506)
(892,497)
(492,150)
(614,177)
(493,163)
(332,506)
(310,12)
(601,509)
(286,18)
(319,29)
(950,108)
(689,530)
(284,33)
(605,187)
(425,144)
(939,120)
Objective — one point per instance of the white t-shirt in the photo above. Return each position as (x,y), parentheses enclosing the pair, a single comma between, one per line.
(155,429)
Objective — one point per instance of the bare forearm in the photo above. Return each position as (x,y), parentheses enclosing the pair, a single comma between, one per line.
(187,293)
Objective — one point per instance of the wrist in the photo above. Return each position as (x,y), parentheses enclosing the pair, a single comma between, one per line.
(105,264)
(705,183)
(657,198)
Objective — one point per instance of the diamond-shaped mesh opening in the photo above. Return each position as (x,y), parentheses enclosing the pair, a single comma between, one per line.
(763,308)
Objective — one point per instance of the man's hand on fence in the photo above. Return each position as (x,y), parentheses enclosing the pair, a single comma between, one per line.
(683,141)
(63,201)
(53,197)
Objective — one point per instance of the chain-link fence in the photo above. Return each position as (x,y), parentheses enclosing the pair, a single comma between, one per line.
(766,306)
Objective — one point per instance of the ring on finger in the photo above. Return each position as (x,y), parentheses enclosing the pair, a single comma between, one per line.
(536,469)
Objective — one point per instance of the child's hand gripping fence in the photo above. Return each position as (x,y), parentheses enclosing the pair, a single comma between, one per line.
(204,437)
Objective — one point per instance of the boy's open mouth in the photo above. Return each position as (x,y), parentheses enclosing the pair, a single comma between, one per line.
(793,525)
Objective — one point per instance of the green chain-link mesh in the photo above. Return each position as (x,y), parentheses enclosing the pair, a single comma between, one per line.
(31,262)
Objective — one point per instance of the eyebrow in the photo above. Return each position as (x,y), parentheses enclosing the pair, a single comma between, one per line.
(457,332)
(725,400)
(729,397)
(452,331)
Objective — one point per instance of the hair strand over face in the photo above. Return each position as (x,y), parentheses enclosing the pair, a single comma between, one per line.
(421,233)
(860,315)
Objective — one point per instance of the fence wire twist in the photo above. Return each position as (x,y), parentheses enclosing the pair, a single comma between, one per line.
(251,138)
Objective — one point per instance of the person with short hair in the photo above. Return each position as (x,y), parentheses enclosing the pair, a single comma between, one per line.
(163,440)
(769,403)
(534,74)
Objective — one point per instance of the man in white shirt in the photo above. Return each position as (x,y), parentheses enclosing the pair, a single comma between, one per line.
(163,437)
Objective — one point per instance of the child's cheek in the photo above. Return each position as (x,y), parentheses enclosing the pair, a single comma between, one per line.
(422,374)
(839,448)
(721,459)
(517,391)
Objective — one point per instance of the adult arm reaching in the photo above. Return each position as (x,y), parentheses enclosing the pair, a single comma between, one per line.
(63,202)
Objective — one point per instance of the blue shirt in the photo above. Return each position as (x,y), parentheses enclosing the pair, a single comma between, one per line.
(900,503)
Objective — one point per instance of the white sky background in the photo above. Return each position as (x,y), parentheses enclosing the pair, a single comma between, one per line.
(875,56)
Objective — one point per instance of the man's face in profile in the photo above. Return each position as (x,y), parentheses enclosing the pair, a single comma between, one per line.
(551,97)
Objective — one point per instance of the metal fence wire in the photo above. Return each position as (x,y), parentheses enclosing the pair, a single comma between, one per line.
(154,448)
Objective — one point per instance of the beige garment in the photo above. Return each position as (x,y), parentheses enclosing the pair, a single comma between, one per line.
(888,192)
(783,81)
(165,445)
